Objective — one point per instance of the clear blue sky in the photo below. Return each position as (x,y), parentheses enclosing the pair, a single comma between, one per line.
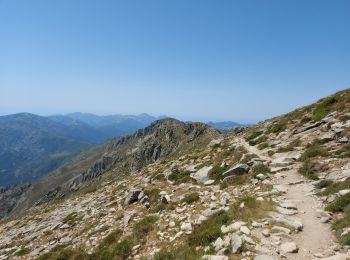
(192,59)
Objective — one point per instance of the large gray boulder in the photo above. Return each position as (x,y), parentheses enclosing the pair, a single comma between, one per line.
(132,196)
(236,170)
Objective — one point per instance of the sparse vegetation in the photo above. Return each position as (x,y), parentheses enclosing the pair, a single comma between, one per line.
(252,209)
(324,108)
(179,253)
(323,184)
(339,204)
(209,230)
(253,135)
(179,177)
(144,226)
(153,195)
(263,146)
(277,127)
(190,198)
(260,168)
(290,147)
(72,218)
(312,151)
(235,181)
(23,251)
(62,252)
(308,171)
(333,188)
(216,172)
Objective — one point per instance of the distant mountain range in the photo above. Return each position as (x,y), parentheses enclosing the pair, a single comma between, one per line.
(225,126)
(32,145)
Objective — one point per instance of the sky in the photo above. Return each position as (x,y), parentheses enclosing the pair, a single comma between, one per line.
(241,60)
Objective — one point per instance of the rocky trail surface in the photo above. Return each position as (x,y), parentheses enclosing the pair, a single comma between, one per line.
(316,239)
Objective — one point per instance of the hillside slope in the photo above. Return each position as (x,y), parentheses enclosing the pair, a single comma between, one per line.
(118,157)
(276,190)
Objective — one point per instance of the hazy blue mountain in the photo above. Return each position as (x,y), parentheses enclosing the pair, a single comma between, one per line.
(31,146)
(108,126)
(225,125)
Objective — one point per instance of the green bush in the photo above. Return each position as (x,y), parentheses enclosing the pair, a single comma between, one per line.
(216,172)
(23,251)
(290,147)
(190,198)
(209,230)
(260,168)
(339,204)
(72,218)
(312,151)
(123,249)
(277,127)
(323,184)
(335,187)
(253,135)
(179,177)
(252,209)
(263,146)
(61,252)
(308,171)
(179,253)
(153,195)
(144,226)
(324,108)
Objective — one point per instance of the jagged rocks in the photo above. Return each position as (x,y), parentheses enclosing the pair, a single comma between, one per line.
(132,196)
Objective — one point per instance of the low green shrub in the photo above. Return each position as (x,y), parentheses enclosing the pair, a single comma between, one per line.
(308,171)
(190,198)
(260,168)
(253,209)
(179,253)
(335,187)
(144,226)
(216,172)
(209,230)
(323,108)
(179,177)
(323,184)
(313,150)
(339,204)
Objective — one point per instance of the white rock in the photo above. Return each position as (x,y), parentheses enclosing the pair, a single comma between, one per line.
(245,230)
(236,243)
(288,247)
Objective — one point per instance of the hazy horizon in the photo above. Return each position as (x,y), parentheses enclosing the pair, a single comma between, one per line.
(242,61)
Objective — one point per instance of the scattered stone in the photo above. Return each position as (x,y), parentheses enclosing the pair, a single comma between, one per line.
(266,233)
(201,175)
(236,243)
(245,230)
(187,227)
(289,247)
(218,244)
(239,169)
(132,196)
